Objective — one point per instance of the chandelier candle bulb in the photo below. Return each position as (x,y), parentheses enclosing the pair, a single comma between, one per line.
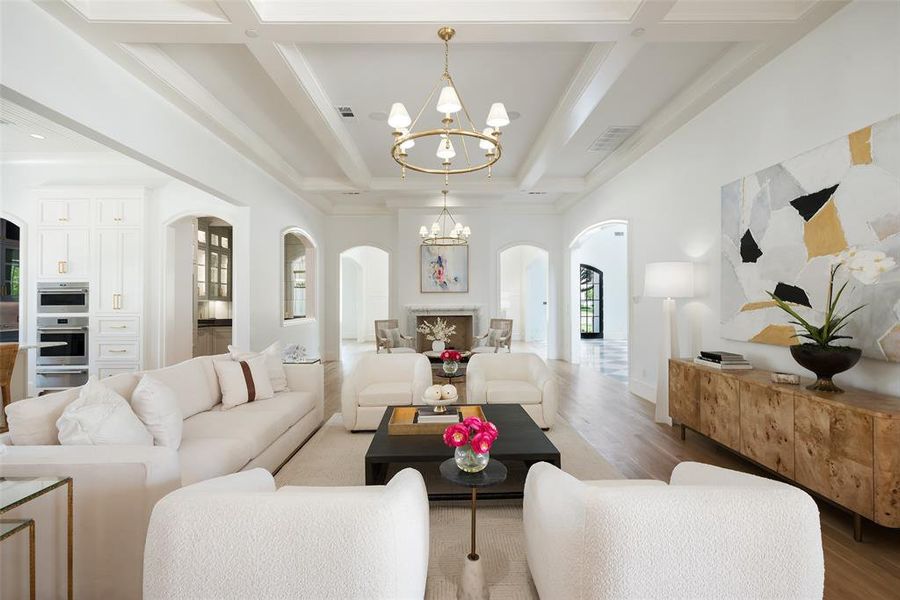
(399,118)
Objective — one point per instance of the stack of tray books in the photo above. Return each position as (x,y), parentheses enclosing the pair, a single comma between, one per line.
(725,361)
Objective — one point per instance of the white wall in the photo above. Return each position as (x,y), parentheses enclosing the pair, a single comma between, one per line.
(51,70)
(604,250)
(368,291)
(842,76)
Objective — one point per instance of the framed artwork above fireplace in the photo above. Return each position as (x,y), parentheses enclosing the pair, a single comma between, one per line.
(443,269)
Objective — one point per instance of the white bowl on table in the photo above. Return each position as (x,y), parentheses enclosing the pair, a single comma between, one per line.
(440,396)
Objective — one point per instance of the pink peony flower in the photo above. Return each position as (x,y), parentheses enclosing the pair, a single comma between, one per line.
(456,435)
(481,443)
(489,429)
(473,423)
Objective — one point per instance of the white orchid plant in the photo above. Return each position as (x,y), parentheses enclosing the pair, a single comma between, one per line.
(867,267)
(439,331)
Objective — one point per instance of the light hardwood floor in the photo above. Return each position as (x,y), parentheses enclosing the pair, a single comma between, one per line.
(620,427)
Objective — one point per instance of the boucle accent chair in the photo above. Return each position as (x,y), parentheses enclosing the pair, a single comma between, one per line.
(518,378)
(401,343)
(711,533)
(236,537)
(381,380)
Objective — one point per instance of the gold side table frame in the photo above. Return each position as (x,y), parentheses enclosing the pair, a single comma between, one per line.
(50,483)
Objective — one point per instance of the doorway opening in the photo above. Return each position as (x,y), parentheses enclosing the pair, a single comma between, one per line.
(599,299)
(10,281)
(524,292)
(364,296)
(199,287)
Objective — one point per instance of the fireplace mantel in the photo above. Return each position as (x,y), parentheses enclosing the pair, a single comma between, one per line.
(413,311)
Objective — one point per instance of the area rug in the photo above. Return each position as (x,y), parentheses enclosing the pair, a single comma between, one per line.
(333,456)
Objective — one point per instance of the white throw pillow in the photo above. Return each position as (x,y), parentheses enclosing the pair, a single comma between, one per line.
(32,421)
(101,417)
(274,366)
(243,381)
(157,407)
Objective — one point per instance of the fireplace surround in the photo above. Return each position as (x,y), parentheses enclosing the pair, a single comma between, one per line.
(466,317)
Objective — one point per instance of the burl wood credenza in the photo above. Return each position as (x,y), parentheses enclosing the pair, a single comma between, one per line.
(843,447)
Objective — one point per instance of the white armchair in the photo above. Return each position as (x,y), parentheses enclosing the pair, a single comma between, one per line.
(519,378)
(710,533)
(236,537)
(381,380)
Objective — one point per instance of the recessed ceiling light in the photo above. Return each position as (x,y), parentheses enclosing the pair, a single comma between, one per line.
(251,33)
(378,116)
(638,32)
(513,115)
(37,136)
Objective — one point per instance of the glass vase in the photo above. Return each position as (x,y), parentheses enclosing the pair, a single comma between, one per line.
(451,367)
(470,461)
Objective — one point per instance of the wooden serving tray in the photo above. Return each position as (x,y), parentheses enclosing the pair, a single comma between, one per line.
(401,422)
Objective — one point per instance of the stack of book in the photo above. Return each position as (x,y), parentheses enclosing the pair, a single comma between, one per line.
(725,361)
(426,414)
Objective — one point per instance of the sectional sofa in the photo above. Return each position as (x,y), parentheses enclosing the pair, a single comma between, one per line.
(116,487)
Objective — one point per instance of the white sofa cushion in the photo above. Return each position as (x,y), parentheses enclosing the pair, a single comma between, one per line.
(510,391)
(194,383)
(274,366)
(258,429)
(156,406)
(32,421)
(292,406)
(101,417)
(243,381)
(395,393)
(205,458)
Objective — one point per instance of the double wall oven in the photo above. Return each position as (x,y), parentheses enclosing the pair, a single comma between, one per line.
(63,336)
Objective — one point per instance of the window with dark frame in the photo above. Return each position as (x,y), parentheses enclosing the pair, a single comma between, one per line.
(591,300)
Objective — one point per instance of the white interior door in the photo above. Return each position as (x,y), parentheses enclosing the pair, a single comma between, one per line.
(536,301)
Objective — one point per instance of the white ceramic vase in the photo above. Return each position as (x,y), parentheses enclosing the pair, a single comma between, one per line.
(438,346)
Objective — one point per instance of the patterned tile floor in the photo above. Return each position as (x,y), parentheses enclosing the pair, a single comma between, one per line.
(610,357)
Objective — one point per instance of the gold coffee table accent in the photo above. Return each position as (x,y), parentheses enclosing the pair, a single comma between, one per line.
(16,491)
(401,422)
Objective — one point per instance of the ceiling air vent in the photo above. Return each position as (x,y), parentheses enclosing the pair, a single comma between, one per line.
(612,138)
(346,112)
(5,122)
(619,233)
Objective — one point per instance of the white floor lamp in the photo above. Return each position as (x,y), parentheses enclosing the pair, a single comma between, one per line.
(668,280)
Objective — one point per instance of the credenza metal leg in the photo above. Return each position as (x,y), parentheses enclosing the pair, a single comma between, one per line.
(857,528)
(683,432)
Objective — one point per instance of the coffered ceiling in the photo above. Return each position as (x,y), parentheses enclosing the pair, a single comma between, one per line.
(593,84)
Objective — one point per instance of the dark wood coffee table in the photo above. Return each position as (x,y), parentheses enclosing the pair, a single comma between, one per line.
(520,440)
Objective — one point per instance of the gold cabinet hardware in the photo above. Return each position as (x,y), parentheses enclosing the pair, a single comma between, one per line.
(118,326)
(118,351)
(63,219)
(62,266)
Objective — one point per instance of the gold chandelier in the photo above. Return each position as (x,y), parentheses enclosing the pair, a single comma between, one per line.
(441,233)
(448,104)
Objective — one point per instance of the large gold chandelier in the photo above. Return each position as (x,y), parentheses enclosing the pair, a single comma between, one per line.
(449,104)
(442,233)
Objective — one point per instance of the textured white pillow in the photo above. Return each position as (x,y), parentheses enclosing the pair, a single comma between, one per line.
(101,417)
(274,367)
(243,381)
(157,407)
(32,421)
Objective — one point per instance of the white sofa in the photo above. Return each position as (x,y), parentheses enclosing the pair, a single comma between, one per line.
(516,378)
(711,533)
(236,537)
(381,380)
(115,487)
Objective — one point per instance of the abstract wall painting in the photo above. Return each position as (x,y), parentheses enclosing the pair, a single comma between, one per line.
(444,269)
(783,228)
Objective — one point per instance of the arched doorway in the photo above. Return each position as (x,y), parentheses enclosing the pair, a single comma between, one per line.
(524,293)
(364,296)
(199,287)
(599,299)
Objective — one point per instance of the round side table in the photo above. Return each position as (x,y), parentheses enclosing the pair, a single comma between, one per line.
(473,585)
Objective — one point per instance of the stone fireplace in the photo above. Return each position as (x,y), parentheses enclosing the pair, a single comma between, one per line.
(465,317)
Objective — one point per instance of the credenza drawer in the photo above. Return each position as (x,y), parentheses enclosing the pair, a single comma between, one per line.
(767,427)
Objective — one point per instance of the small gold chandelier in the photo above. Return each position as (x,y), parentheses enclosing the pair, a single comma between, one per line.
(449,103)
(442,233)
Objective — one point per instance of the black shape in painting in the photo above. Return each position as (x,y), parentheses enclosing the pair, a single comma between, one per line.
(791,293)
(810,204)
(750,251)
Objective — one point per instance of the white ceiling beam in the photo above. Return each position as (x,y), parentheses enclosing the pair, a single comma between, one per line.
(496,185)
(600,70)
(736,65)
(291,72)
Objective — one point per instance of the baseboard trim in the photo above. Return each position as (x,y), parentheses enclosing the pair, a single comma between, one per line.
(642,389)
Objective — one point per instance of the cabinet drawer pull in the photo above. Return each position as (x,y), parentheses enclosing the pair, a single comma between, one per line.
(62,267)
(63,219)
(118,326)
(119,351)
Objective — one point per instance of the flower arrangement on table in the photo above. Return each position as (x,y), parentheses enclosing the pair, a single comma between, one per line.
(438,332)
(472,439)
(451,360)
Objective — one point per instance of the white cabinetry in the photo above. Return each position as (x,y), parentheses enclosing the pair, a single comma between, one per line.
(95,234)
